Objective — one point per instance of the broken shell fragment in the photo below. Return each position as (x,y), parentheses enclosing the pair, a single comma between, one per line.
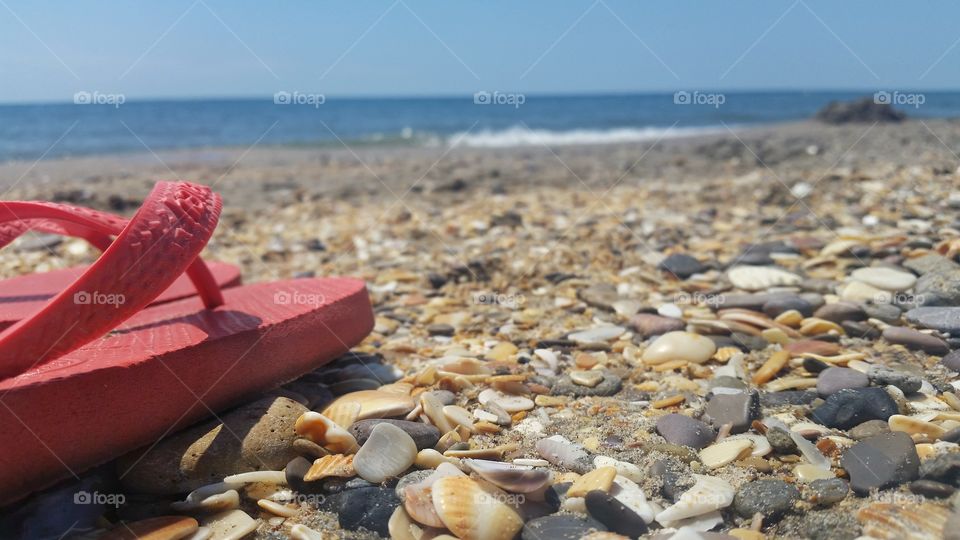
(388,452)
(325,432)
(708,493)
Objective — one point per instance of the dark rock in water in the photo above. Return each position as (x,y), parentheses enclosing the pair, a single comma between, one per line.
(868,429)
(882,461)
(944,468)
(781,441)
(610,385)
(832,380)
(913,339)
(681,265)
(853,406)
(769,497)
(931,488)
(881,376)
(738,409)
(776,306)
(685,431)
(863,110)
(601,296)
(952,361)
(425,435)
(368,507)
(938,288)
(615,515)
(942,319)
(841,311)
(560,527)
(860,330)
(829,490)
(648,324)
(787,397)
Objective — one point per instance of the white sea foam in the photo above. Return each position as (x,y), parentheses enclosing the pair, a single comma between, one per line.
(522,136)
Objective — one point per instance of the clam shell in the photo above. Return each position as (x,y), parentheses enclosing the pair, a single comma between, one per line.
(623,468)
(507,402)
(726,451)
(277,509)
(708,493)
(388,452)
(230,524)
(400,526)
(333,465)
(325,432)
(886,521)
(513,478)
(373,404)
(459,416)
(597,479)
(761,446)
(227,500)
(473,511)
(915,426)
(418,498)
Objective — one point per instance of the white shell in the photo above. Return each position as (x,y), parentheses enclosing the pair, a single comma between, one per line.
(755,278)
(708,493)
(724,452)
(302,532)
(387,452)
(513,478)
(761,446)
(598,334)
(623,468)
(509,403)
(258,477)
(632,496)
(458,415)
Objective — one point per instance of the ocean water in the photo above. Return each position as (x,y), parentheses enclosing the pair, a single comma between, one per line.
(103,124)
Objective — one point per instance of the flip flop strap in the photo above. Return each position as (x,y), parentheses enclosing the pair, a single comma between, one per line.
(159,243)
(97,228)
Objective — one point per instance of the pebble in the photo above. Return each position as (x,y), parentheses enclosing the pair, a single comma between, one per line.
(388,451)
(858,291)
(685,431)
(885,278)
(847,408)
(868,429)
(205,454)
(931,488)
(756,278)
(424,435)
(940,287)
(944,468)
(882,376)
(738,409)
(951,361)
(769,497)
(508,402)
(688,346)
(586,378)
(912,339)
(942,319)
(841,311)
(829,490)
(930,262)
(781,304)
(565,454)
(598,334)
(807,472)
(561,527)
(882,461)
(615,515)
(787,397)
(608,386)
(681,265)
(888,313)
(860,330)
(439,329)
(781,441)
(647,324)
(366,507)
(834,379)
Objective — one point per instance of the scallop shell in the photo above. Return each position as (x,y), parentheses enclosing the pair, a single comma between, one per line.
(343,413)
(325,432)
(886,521)
(388,452)
(597,479)
(334,465)
(708,493)
(513,478)
(373,404)
(473,511)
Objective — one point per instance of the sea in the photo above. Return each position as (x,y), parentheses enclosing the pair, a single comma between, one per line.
(94,124)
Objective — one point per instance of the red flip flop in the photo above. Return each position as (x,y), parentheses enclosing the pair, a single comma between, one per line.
(22,296)
(82,382)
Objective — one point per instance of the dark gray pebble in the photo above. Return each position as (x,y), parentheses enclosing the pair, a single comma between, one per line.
(912,339)
(832,380)
(853,406)
(368,507)
(738,409)
(951,361)
(882,376)
(614,514)
(841,311)
(781,441)
(769,497)
(932,488)
(685,431)
(882,461)
(424,435)
(868,429)
(681,265)
(828,491)
(560,527)
(776,306)
(943,468)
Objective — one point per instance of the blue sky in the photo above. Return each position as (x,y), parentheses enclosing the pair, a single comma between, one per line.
(221,48)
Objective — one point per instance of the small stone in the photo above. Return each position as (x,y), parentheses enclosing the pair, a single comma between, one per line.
(508,402)
(858,291)
(868,429)
(942,319)
(599,334)
(424,435)
(615,515)
(561,527)
(756,278)
(834,379)
(608,386)
(888,313)
(841,311)
(888,279)
(822,348)
(738,409)
(881,376)
(938,288)
(781,441)
(441,330)
(688,346)
(952,361)
(930,262)
(860,330)
(913,339)
(782,304)
(881,461)
(586,378)
(808,472)
(829,490)
(648,324)
(681,265)
(931,488)
(685,431)
(944,468)
(847,408)
(366,507)
(599,296)
(769,497)
(787,397)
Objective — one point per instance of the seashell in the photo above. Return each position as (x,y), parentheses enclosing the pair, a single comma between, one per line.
(258,477)
(401,527)
(632,496)
(208,490)
(597,479)
(724,452)
(761,446)
(628,470)
(790,383)
(809,429)
(546,360)
(708,494)
(232,524)
(531,462)
(373,404)
(507,402)
(698,524)
(474,511)
(495,453)
(513,478)
(905,521)
(915,427)
(277,509)
(791,318)
(428,458)
(388,452)
(597,335)
(227,500)
(686,346)
(334,465)
(433,409)
(459,416)
(586,378)
(806,472)
(755,278)
(771,367)
(563,453)
(302,532)
(466,366)
(325,432)
(776,336)
(813,326)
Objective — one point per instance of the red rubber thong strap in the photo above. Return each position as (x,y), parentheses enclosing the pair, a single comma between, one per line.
(159,243)
(95,227)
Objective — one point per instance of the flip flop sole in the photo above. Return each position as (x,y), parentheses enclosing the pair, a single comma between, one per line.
(165,368)
(22,296)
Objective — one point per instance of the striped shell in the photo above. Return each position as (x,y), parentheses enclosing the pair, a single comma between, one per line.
(334,465)
(473,511)
(325,432)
